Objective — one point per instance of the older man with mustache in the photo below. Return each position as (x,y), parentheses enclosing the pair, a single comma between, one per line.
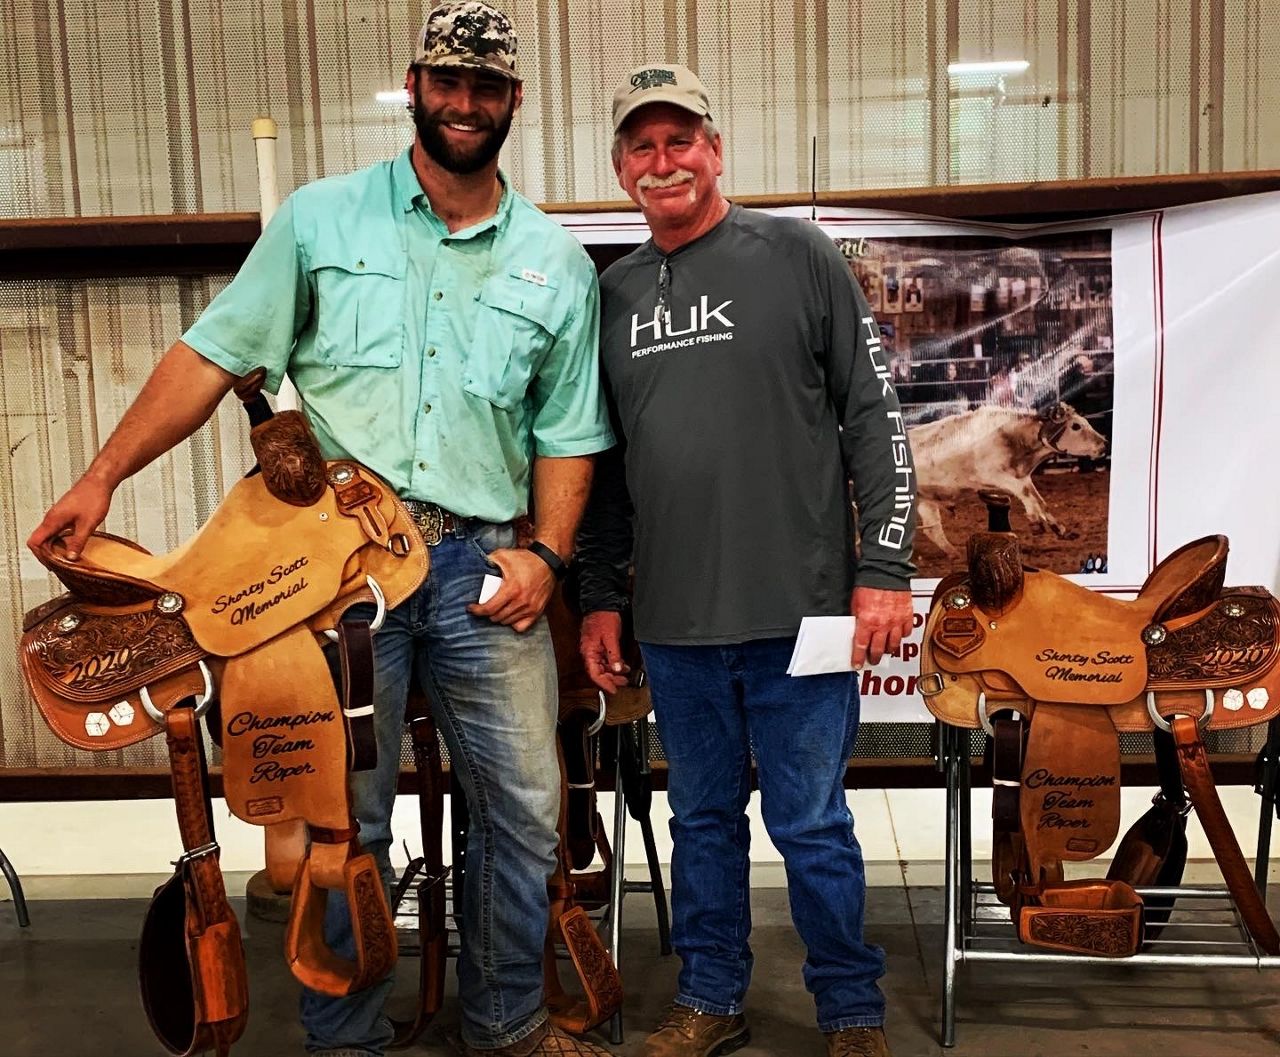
(747,376)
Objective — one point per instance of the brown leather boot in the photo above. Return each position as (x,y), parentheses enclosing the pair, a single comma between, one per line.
(547,1041)
(857,1042)
(686,1032)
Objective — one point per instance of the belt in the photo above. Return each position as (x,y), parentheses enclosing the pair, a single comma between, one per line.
(434,522)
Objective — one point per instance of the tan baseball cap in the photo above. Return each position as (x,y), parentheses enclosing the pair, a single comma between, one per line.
(468,33)
(677,85)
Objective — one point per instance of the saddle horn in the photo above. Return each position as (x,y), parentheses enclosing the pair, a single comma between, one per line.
(995,570)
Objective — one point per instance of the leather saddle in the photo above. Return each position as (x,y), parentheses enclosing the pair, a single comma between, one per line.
(575,887)
(1073,668)
(142,644)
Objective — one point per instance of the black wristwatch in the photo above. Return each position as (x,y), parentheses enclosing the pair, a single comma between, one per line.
(553,560)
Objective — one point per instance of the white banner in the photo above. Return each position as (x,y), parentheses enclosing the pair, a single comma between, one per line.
(1113,377)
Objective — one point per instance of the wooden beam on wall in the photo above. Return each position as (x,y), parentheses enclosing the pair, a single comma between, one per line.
(185,244)
(77,247)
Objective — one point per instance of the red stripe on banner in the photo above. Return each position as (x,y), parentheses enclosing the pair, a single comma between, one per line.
(1157,264)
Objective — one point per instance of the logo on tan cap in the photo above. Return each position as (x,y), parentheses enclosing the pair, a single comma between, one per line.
(652,83)
(642,80)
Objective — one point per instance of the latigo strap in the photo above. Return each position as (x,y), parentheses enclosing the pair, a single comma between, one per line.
(1197,776)
(430,890)
(190,959)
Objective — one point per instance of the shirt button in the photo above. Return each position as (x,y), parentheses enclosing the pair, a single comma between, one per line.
(422,466)
(431,351)
(426,409)
(438,294)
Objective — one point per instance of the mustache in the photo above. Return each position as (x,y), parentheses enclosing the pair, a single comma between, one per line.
(680,176)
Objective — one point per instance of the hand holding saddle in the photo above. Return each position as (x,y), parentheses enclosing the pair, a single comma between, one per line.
(143,642)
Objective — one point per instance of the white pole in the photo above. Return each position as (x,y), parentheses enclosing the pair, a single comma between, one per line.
(285,843)
(264,137)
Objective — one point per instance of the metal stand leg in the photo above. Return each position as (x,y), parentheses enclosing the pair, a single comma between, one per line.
(951,902)
(619,877)
(640,807)
(15,886)
(656,886)
(1268,772)
(966,831)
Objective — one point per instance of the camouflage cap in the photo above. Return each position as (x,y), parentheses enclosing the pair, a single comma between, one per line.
(468,33)
(654,83)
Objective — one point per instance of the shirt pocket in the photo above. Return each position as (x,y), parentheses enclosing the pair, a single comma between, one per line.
(516,324)
(360,320)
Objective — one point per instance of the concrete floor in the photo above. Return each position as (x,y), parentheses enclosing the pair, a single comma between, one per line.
(67,987)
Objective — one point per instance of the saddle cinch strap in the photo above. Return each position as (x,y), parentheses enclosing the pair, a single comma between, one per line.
(1081,667)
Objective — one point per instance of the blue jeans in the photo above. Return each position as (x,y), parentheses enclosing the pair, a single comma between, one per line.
(493,693)
(714,706)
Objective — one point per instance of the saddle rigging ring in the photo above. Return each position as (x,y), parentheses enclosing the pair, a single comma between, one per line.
(1165,725)
(594,729)
(381,615)
(203,701)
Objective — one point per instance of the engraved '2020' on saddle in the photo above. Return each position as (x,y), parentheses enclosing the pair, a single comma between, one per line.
(1075,667)
(143,644)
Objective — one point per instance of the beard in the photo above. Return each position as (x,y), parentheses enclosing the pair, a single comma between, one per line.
(460,160)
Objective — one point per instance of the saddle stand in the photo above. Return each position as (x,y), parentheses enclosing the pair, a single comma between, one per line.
(142,644)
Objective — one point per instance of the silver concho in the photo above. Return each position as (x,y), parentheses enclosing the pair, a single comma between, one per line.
(1232,609)
(341,475)
(957,600)
(169,603)
(1154,634)
(68,623)
(1233,700)
(96,724)
(1258,697)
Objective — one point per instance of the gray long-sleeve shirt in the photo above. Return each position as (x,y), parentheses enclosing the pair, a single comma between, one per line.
(743,415)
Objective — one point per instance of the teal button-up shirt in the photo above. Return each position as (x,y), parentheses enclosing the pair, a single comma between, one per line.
(443,362)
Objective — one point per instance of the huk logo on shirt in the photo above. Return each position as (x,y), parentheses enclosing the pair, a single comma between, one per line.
(704,324)
(893,533)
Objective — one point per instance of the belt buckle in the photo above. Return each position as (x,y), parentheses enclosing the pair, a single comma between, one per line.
(431,523)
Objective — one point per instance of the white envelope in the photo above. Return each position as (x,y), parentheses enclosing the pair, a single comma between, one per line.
(825,644)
